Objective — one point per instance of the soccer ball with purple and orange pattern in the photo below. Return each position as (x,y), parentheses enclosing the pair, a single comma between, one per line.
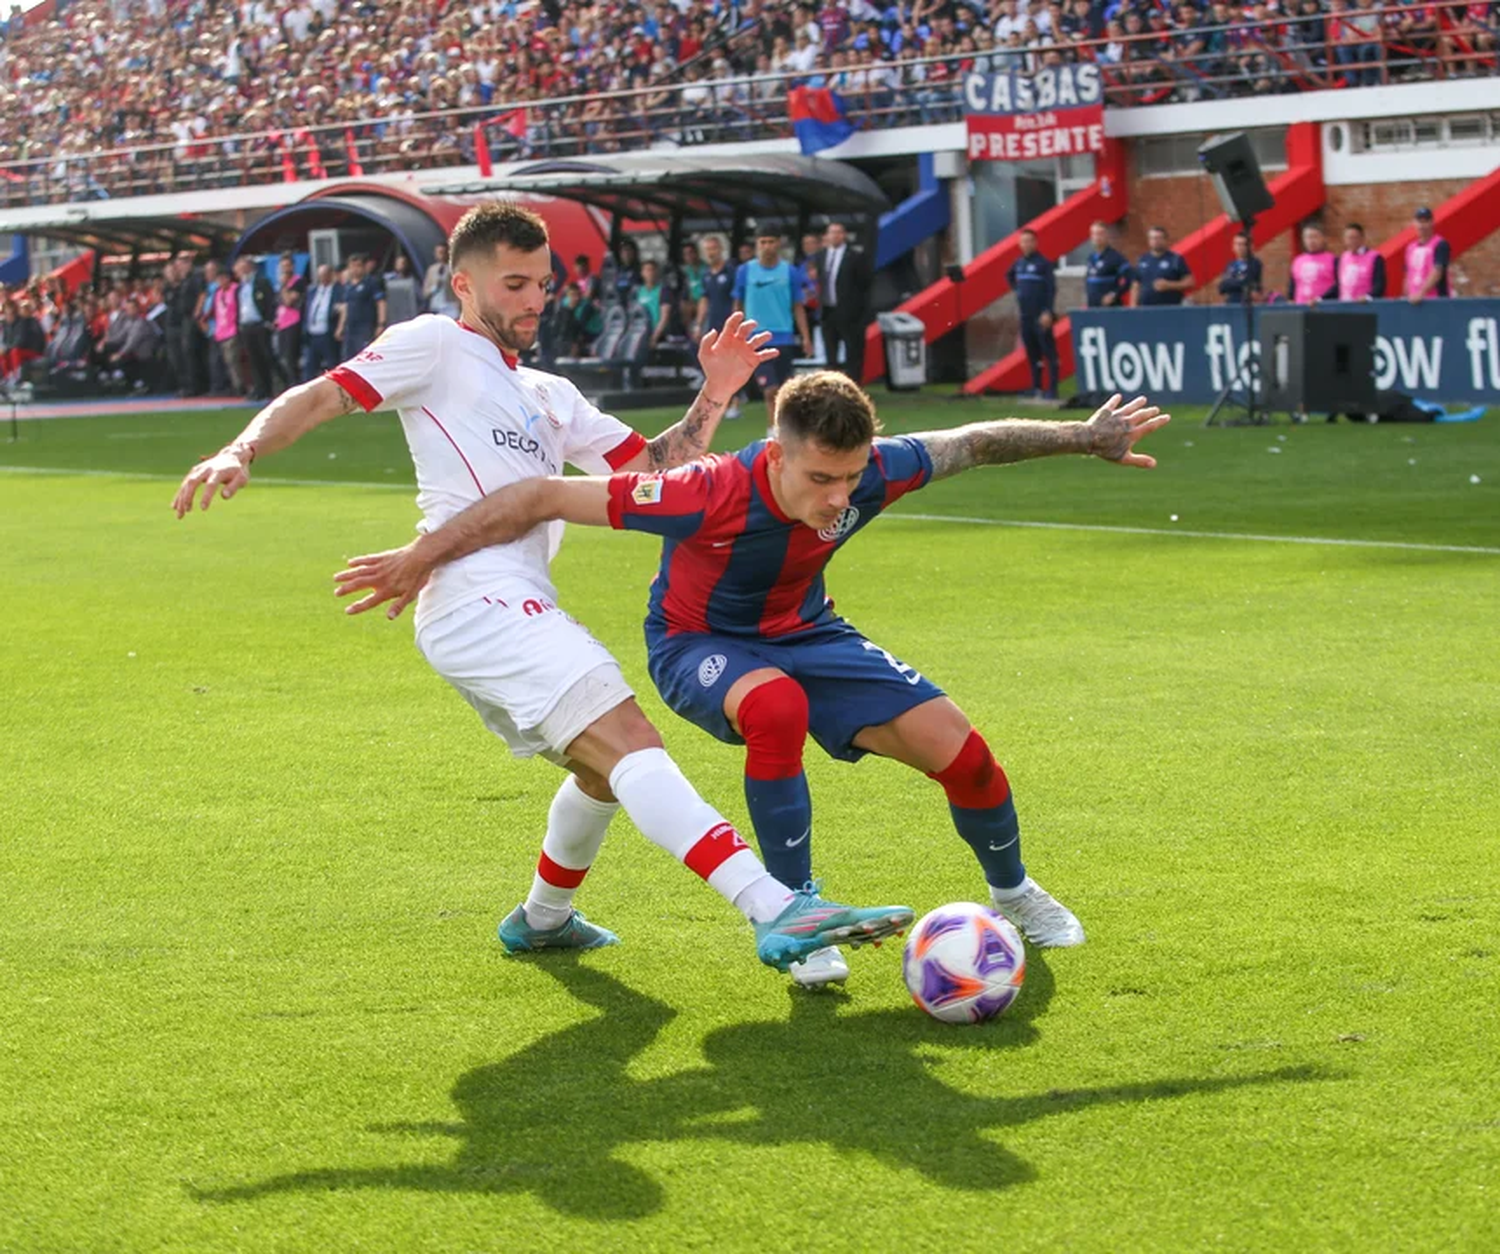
(963,963)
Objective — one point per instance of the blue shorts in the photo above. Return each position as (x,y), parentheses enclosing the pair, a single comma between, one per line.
(850,683)
(773,373)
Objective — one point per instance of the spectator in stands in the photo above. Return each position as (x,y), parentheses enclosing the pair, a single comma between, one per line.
(1162,276)
(257,312)
(689,286)
(650,295)
(323,301)
(291,292)
(71,346)
(437,285)
(364,309)
(22,340)
(1313,274)
(1241,282)
(1361,270)
(1354,35)
(130,347)
(1032,277)
(627,269)
(1107,281)
(1427,259)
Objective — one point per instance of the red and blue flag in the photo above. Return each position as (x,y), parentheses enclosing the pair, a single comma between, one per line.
(818,117)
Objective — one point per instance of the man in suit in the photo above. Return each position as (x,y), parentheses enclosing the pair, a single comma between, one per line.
(322,316)
(257,310)
(844,277)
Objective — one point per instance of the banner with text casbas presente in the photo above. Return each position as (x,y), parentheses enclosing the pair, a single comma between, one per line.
(1056,112)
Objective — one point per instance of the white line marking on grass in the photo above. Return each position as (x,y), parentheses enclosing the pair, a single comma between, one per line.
(1333,541)
(1336,541)
(153,477)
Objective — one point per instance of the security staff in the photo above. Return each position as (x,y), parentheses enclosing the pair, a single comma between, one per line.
(1241,282)
(1032,279)
(1108,280)
(1162,277)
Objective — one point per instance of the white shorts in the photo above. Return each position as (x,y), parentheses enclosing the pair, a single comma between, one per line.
(534,674)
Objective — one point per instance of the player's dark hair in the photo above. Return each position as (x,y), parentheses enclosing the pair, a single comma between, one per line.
(1026,230)
(1162,229)
(1354,226)
(485,227)
(828,408)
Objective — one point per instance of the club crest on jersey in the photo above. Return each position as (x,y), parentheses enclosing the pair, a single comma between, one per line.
(846,523)
(647,492)
(711,668)
(552,419)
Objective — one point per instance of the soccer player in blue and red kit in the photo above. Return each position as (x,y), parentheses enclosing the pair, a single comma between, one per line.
(742,638)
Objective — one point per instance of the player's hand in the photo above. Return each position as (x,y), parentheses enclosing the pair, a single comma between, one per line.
(396,575)
(1044,320)
(1160,285)
(223,473)
(1115,428)
(729,357)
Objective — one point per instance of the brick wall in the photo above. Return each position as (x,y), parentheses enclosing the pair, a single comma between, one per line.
(1183,204)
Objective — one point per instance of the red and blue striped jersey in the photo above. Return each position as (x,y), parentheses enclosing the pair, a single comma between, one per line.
(732,562)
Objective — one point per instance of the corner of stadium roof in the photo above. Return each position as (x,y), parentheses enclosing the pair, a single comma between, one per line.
(651,186)
(418,223)
(114,232)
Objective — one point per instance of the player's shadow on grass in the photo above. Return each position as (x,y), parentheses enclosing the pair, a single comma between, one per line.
(550,1119)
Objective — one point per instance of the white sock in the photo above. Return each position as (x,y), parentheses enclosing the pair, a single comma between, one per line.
(576,825)
(670,813)
(1009,894)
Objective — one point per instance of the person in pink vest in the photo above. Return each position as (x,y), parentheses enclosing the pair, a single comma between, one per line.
(1314,273)
(1361,270)
(227,329)
(1426,261)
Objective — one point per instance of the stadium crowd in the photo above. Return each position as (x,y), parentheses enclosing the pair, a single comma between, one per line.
(115,97)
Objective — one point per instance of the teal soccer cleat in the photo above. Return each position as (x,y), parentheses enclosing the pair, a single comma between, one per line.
(809,923)
(519,937)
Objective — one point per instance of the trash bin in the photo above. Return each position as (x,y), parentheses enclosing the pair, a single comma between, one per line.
(905,350)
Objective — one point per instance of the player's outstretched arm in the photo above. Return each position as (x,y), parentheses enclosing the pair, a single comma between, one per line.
(397,575)
(728,358)
(284,421)
(1111,433)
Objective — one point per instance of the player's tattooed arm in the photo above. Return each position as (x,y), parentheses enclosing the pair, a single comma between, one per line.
(728,357)
(284,421)
(689,439)
(1111,433)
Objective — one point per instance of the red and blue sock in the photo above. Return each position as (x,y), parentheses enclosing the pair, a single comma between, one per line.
(984,812)
(773,720)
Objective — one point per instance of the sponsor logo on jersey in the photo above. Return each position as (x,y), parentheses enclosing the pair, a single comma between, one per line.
(845,524)
(369,355)
(526,444)
(711,668)
(647,492)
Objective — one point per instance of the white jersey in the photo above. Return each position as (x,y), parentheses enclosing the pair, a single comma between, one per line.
(475,422)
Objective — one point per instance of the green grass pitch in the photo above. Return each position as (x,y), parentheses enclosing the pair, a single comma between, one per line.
(253,854)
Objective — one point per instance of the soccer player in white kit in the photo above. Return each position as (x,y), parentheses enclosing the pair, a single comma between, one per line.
(476,420)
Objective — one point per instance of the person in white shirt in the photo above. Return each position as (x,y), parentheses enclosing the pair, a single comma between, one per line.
(475,420)
(322,317)
(437,285)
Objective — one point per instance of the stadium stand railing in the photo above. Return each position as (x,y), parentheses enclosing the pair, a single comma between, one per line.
(1323,51)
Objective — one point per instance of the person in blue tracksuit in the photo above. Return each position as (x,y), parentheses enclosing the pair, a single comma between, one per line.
(1107,282)
(1034,282)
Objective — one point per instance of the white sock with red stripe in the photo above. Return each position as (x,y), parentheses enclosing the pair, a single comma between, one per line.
(576,825)
(670,813)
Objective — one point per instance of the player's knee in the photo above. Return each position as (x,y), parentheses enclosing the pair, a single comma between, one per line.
(974,780)
(773,719)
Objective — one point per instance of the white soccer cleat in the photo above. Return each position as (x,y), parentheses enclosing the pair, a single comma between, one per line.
(823,966)
(1044,920)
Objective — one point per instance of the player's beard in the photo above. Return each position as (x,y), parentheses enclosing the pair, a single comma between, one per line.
(507,334)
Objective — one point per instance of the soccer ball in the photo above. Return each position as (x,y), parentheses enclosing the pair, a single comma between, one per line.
(963,963)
